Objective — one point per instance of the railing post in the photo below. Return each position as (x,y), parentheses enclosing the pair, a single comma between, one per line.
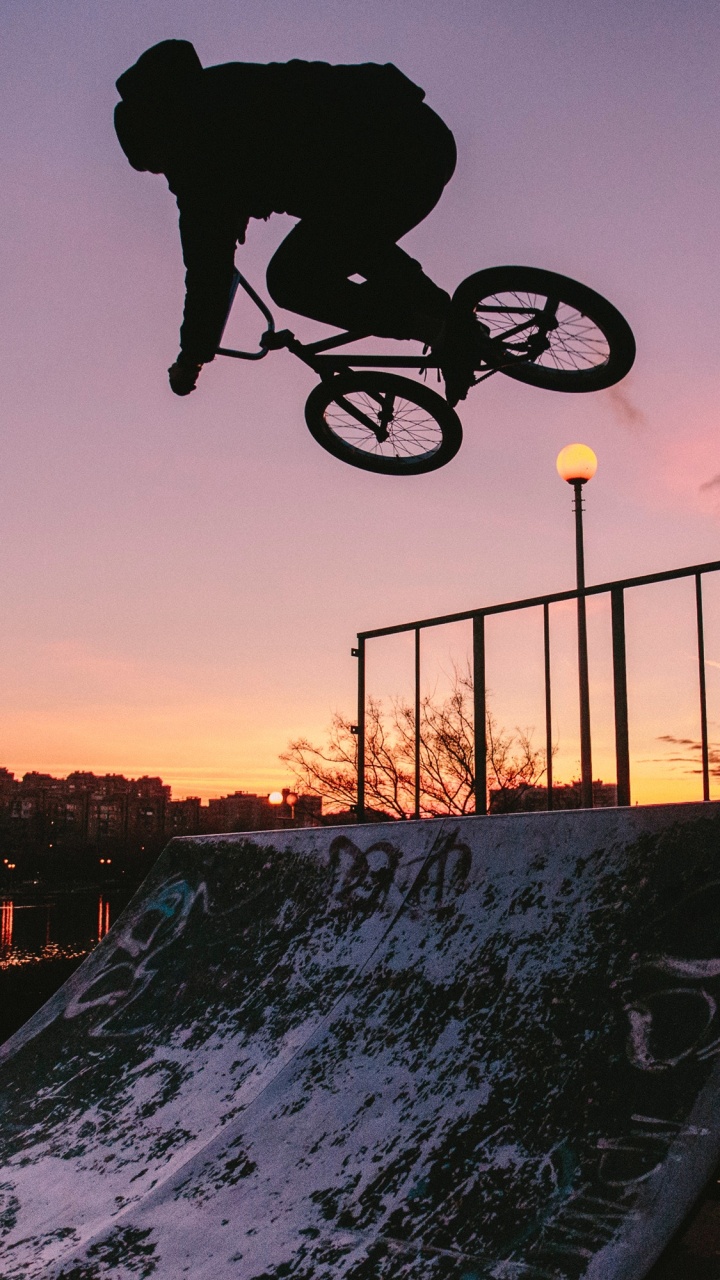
(417,723)
(622,740)
(479,713)
(548,707)
(361,731)
(703,698)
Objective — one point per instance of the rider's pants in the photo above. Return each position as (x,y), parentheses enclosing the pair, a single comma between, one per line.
(380,190)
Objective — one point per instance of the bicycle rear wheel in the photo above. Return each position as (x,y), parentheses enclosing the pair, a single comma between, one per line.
(548,330)
(384,423)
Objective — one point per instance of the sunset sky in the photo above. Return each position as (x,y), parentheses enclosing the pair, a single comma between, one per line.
(182,580)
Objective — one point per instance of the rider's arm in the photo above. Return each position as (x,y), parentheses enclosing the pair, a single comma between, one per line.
(209,231)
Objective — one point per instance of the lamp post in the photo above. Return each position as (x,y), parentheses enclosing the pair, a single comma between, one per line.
(577,464)
(291,799)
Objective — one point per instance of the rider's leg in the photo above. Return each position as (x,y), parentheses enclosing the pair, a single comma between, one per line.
(310,274)
(380,188)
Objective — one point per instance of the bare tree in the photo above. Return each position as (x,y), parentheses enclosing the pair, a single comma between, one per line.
(447,758)
(447,748)
(515,766)
(331,771)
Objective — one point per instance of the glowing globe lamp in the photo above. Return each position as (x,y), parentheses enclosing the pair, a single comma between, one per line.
(576,463)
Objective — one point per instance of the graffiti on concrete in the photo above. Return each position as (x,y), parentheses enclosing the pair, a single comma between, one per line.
(472,1048)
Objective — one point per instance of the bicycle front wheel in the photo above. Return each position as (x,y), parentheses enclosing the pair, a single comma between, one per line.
(548,330)
(384,423)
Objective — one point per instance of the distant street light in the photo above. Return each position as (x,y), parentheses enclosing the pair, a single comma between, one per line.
(577,464)
(287,798)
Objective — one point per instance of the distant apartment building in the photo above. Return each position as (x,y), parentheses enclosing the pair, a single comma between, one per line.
(95,807)
(8,786)
(245,811)
(184,817)
(90,806)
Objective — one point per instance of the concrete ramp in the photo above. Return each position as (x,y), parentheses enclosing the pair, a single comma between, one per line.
(480,1049)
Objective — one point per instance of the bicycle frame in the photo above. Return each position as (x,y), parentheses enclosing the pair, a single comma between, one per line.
(314,354)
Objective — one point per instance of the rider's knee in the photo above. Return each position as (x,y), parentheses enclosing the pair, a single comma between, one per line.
(287,284)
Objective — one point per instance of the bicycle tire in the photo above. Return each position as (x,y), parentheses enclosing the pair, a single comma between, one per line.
(423,431)
(591,348)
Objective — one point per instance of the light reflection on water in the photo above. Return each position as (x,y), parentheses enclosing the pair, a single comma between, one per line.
(61,926)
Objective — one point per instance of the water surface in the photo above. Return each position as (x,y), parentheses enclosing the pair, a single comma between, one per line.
(44,935)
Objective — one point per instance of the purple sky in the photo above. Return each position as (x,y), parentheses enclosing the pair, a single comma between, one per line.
(182,579)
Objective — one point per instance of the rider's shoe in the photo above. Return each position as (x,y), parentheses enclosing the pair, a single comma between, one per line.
(459,351)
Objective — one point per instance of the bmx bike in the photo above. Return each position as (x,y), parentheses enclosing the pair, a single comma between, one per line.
(536,326)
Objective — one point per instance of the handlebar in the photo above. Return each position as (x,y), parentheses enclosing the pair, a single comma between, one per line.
(238,282)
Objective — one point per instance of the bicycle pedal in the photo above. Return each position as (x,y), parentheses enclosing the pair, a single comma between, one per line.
(272,341)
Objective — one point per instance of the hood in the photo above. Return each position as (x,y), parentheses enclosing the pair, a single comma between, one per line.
(154,91)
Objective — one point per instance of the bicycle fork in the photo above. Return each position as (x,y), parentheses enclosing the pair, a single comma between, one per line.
(380,427)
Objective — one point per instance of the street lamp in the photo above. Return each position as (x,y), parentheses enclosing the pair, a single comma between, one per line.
(577,464)
(287,799)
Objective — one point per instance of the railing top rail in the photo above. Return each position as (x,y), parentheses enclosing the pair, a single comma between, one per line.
(534,601)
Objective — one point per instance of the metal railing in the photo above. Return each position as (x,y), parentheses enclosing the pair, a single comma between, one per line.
(616,591)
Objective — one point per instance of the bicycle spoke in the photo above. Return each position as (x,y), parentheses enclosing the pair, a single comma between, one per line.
(573,345)
(383,423)
(386,426)
(363,419)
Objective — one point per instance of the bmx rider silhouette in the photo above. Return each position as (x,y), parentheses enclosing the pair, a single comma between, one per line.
(352,152)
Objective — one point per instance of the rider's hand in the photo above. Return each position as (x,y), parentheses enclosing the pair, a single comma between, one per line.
(183,375)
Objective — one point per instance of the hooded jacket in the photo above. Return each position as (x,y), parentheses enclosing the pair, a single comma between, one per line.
(244,140)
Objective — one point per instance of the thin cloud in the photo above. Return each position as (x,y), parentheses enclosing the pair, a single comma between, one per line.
(688,757)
